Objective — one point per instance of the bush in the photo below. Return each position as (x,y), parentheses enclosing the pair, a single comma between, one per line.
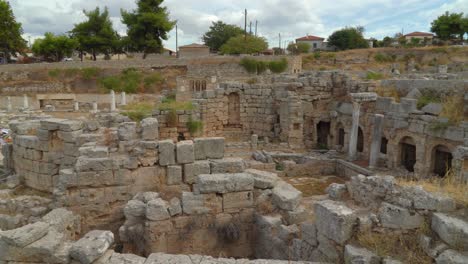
(381,58)
(317,55)
(54,73)
(374,76)
(194,126)
(262,66)
(170,104)
(155,78)
(278,66)
(428,96)
(452,108)
(111,83)
(250,65)
(128,81)
(172,118)
(138,111)
(90,73)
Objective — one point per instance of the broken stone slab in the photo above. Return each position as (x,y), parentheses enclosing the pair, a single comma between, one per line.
(392,216)
(452,257)
(424,200)
(431,248)
(451,230)
(157,210)
(201,203)
(134,208)
(145,197)
(127,131)
(166,153)
(175,207)
(225,183)
(335,220)
(285,196)
(60,219)
(296,216)
(46,246)
(227,165)
(353,255)
(94,151)
(336,191)
(263,179)
(185,152)
(149,129)
(432,109)
(193,170)
(25,235)
(93,245)
(117,258)
(94,164)
(309,233)
(209,148)
(174,175)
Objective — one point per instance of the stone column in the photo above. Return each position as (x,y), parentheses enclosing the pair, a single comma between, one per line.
(112,102)
(95,106)
(123,100)
(352,152)
(25,102)
(254,141)
(376,141)
(76,107)
(9,107)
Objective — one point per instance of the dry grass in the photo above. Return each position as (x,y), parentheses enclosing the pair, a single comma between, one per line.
(452,108)
(449,185)
(404,247)
(388,92)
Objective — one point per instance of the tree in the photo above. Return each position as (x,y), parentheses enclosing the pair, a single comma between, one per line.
(387,41)
(54,47)
(450,26)
(298,48)
(10,31)
(243,45)
(96,35)
(147,26)
(348,38)
(219,34)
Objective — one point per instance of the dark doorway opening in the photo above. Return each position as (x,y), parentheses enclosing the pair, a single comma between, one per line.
(442,160)
(383,145)
(341,136)
(360,141)
(408,154)
(323,131)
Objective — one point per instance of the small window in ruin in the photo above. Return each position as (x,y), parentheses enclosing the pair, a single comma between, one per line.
(383,145)
(341,137)
(360,141)
(203,85)
(442,160)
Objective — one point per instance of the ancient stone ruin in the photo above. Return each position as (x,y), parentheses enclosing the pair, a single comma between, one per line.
(299,167)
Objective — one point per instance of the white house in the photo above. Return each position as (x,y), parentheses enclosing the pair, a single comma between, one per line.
(315,43)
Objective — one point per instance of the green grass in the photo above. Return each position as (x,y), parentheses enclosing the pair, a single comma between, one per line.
(278,66)
(153,79)
(90,73)
(169,104)
(54,73)
(194,126)
(428,96)
(374,76)
(138,111)
(129,81)
(253,66)
(382,58)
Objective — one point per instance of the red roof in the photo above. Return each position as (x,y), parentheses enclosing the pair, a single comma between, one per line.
(419,34)
(194,45)
(310,38)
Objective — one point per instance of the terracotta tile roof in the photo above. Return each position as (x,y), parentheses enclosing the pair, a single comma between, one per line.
(194,45)
(419,34)
(310,38)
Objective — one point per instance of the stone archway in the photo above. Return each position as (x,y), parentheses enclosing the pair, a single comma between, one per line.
(323,132)
(234,109)
(441,160)
(407,153)
(360,141)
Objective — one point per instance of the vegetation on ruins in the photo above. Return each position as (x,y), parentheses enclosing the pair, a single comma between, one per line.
(371,75)
(172,104)
(10,31)
(194,126)
(389,92)
(450,26)
(88,73)
(138,111)
(131,81)
(382,58)
(348,38)
(147,26)
(254,66)
(428,96)
(219,33)
(96,34)
(452,109)
(298,48)
(244,45)
(54,47)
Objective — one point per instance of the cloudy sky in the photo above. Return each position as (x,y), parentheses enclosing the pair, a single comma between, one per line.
(291,18)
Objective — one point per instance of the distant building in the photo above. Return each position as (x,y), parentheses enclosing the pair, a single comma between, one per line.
(419,35)
(315,43)
(194,50)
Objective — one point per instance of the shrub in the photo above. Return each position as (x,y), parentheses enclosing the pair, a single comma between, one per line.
(374,76)
(262,66)
(90,73)
(427,97)
(452,108)
(250,65)
(138,111)
(111,83)
(317,55)
(155,78)
(172,118)
(169,104)
(69,73)
(54,73)
(131,79)
(278,66)
(381,58)
(194,126)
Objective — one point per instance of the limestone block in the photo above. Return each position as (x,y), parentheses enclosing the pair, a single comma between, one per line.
(432,108)
(93,164)
(391,261)
(134,208)
(25,235)
(451,230)
(452,257)
(237,200)
(69,136)
(225,183)
(263,179)
(425,200)
(201,203)
(146,196)
(309,233)
(93,245)
(354,254)
(46,246)
(392,216)
(94,151)
(149,129)
(209,148)
(156,210)
(328,250)
(336,191)
(285,196)
(175,207)
(70,125)
(166,153)
(296,216)
(127,131)
(161,258)
(227,165)
(117,258)
(185,152)
(335,220)
(51,123)
(174,175)
(192,170)
(430,246)
(60,219)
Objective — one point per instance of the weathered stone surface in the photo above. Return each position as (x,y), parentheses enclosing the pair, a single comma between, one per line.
(166,153)
(127,131)
(227,165)
(146,196)
(452,257)
(149,129)
(237,200)
(432,108)
(209,148)
(117,258)
(175,207)
(296,216)
(93,164)
(135,208)
(309,233)
(392,216)
(46,246)
(391,261)
(185,152)
(94,151)
(355,255)
(156,210)
(285,196)
(425,200)
(192,170)
(225,183)
(174,175)
(60,219)
(91,246)
(25,235)
(263,179)
(201,203)
(451,230)
(335,220)
(431,247)
(336,191)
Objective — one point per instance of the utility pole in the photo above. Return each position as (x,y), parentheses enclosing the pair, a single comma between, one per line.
(250,31)
(177,41)
(256,24)
(245,26)
(279,35)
